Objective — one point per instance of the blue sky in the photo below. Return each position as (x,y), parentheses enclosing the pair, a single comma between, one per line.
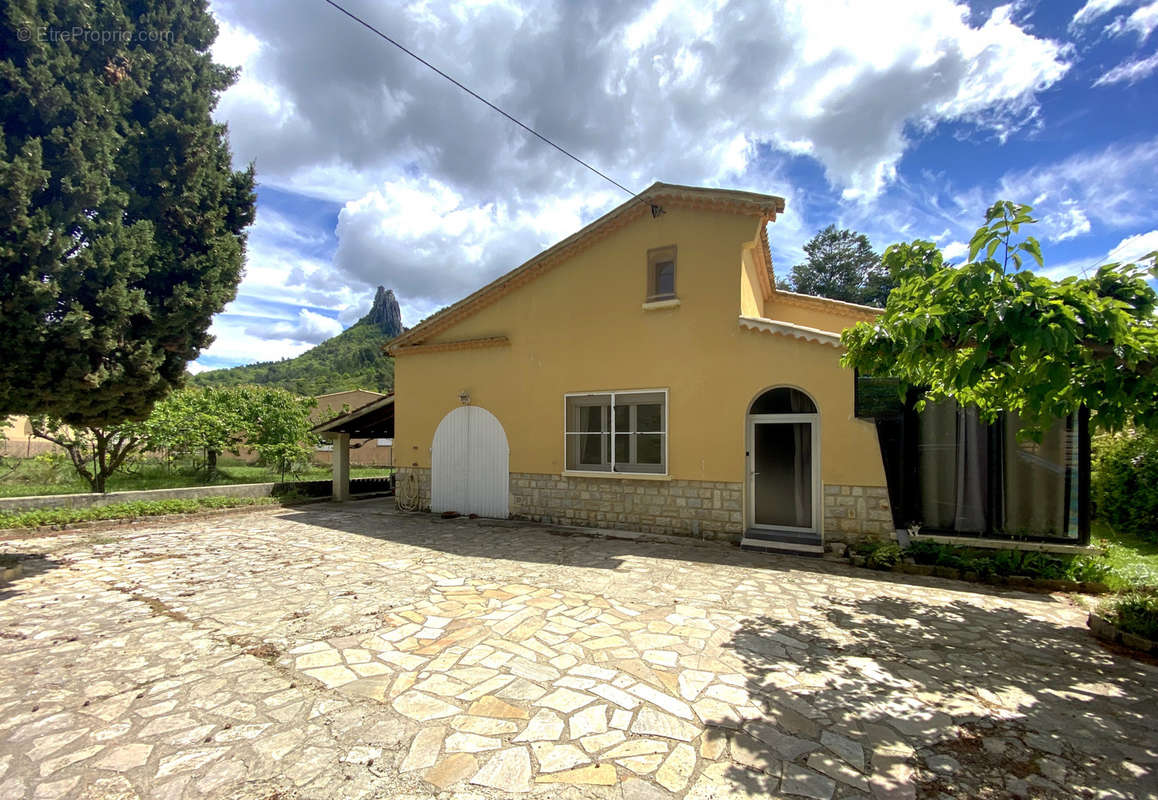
(900,119)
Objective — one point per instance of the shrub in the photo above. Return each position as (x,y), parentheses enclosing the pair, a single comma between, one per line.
(132,510)
(1089,569)
(1124,484)
(863,547)
(1134,612)
(989,563)
(946,555)
(886,556)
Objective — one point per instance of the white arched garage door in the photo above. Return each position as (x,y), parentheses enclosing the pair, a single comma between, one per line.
(469,464)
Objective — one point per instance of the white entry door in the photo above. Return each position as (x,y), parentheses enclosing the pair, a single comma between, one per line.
(469,464)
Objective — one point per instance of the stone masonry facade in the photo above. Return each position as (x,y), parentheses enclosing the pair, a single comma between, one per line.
(854,513)
(700,509)
(412,488)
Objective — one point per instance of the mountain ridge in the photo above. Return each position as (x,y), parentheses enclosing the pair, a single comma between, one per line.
(351,360)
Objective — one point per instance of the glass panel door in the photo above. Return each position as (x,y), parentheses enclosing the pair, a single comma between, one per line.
(782,479)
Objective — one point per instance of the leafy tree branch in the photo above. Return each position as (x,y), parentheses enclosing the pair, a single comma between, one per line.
(991,334)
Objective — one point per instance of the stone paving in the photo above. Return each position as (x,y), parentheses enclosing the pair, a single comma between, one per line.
(356,652)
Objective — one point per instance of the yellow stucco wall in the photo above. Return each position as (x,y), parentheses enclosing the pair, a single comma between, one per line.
(751,288)
(580,327)
(814,315)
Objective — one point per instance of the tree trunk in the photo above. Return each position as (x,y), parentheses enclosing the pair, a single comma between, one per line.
(211,463)
(100,469)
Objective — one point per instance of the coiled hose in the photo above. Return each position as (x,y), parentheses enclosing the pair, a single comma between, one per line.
(406,492)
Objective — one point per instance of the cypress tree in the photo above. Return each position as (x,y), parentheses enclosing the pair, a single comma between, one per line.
(121,218)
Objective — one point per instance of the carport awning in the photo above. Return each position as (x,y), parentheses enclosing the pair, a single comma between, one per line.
(375,420)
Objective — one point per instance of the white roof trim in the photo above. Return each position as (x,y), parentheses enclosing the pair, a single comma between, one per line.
(791,329)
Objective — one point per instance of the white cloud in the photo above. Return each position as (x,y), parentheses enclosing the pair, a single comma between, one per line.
(194,368)
(1133,248)
(955,251)
(233,344)
(1127,251)
(1094,9)
(1129,72)
(1116,186)
(430,245)
(1142,21)
(1067,269)
(1066,222)
(840,82)
(355,311)
(310,327)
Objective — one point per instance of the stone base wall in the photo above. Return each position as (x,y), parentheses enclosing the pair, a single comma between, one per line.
(703,509)
(412,488)
(856,513)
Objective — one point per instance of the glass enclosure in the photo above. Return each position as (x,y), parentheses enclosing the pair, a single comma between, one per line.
(963,475)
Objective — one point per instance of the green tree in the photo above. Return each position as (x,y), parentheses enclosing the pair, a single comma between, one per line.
(277,426)
(204,422)
(842,265)
(274,422)
(96,452)
(991,334)
(212,420)
(121,218)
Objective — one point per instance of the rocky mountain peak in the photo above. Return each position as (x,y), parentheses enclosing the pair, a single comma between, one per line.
(385,313)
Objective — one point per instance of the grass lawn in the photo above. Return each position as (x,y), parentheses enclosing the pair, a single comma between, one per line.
(40,476)
(1134,560)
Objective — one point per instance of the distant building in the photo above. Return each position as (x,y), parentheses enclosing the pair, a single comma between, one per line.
(18,441)
(363,452)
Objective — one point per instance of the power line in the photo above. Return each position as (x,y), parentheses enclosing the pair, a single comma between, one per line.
(477,96)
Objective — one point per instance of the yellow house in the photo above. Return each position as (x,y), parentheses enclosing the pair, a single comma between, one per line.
(646,374)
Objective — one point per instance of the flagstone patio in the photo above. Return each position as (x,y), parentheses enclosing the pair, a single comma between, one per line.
(353,651)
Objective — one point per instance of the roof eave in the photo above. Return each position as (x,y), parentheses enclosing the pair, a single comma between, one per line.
(766,207)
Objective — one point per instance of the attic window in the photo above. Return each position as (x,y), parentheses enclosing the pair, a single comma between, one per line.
(661,273)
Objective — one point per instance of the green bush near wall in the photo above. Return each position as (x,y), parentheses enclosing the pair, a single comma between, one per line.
(987,564)
(119,511)
(1124,484)
(1134,612)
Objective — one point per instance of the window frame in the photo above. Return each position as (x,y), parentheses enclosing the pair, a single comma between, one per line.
(655,257)
(608,467)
